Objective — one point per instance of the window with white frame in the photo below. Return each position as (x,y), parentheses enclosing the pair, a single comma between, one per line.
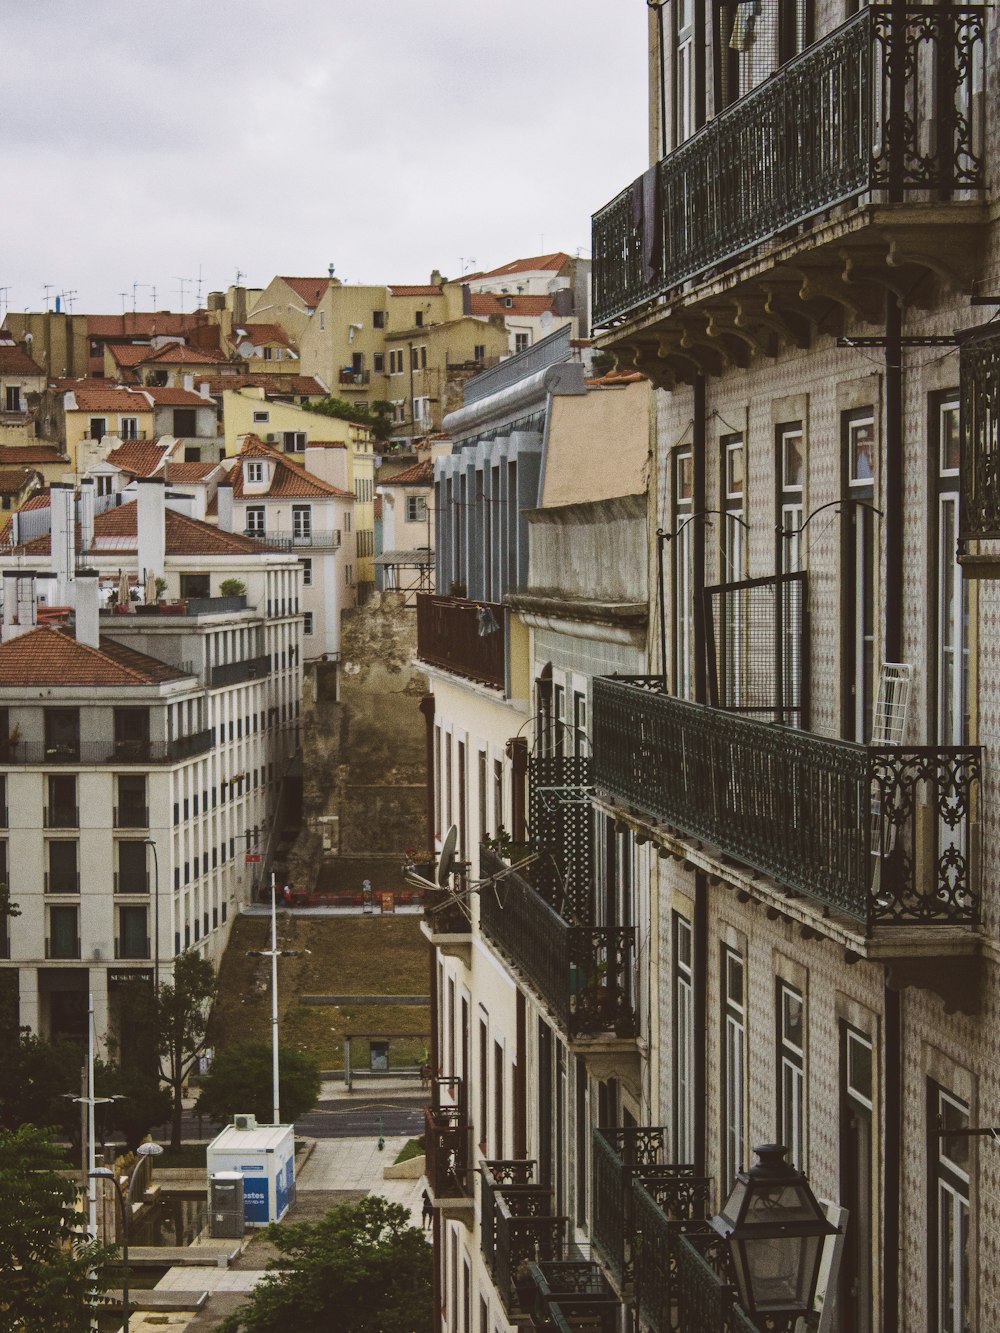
(128,428)
(684,1041)
(580,742)
(791,1074)
(105,485)
(255,472)
(734,1065)
(416,509)
(521,342)
(262,417)
(684,14)
(951,592)
(307,573)
(791,468)
(682,555)
(256,520)
(294,441)
(347,521)
(12,399)
(301,521)
(949,1209)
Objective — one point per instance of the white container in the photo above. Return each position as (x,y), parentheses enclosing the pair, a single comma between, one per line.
(265,1157)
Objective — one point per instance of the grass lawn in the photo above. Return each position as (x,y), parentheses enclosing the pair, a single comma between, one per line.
(348,955)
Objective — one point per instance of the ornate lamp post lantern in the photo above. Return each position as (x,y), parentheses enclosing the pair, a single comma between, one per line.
(775,1230)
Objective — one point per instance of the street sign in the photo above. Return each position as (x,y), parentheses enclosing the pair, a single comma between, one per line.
(252,858)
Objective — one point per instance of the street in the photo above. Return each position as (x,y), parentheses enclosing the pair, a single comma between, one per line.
(344,1118)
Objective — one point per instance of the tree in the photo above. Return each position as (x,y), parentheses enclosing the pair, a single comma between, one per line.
(181,1024)
(140,1102)
(38,1079)
(363,1267)
(241,1079)
(50,1270)
(375,418)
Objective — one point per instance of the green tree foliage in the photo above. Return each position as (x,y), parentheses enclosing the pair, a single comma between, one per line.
(38,1079)
(363,1268)
(180,1024)
(241,1080)
(140,1102)
(49,1269)
(376,418)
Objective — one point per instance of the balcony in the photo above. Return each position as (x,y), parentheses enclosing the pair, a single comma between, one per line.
(572,1295)
(447,924)
(131,881)
(518,1228)
(235,673)
(127,947)
(824,185)
(354,379)
(447,1136)
(131,816)
(466,638)
(581,973)
(294,541)
(624,1156)
(61,881)
(89,753)
(879,837)
(61,816)
(63,949)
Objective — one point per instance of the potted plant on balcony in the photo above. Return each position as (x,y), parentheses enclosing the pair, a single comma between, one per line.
(10,742)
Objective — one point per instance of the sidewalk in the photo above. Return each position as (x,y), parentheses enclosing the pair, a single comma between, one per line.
(356,1164)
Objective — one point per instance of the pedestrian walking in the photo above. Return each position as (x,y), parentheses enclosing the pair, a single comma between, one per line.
(428,1211)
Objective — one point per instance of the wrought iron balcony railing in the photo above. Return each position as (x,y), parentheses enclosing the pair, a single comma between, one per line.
(583,973)
(621,1156)
(447,1134)
(235,673)
(503,1174)
(886,103)
(61,816)
(518,1228)
(131,816)
(466,638)
(884,835)
(123,753)
(573,1293)
(979,463)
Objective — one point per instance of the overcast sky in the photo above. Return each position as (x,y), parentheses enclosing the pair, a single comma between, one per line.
(144,141)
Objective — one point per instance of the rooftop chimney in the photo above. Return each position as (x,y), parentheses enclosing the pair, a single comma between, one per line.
(88,625)
(63,531)
(152,542)
(19,613)
(87,508)
(224,499)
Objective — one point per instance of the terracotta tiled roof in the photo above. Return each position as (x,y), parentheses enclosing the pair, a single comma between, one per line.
(15,479)
(297,385)
(178,397)
(180,354)
(495,303)
(310,290)
(535,264)
(91,397)
(142,458)
(417,474)
(427,290)
(184,473)
(129,354)
(14,360)
(141,324)
(47,656)
(31,453)
(289,480)
(115,530)
(40,500)
(260,335)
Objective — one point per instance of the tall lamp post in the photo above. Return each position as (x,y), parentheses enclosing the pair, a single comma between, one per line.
(125,1203)
(151,843)
(274,953)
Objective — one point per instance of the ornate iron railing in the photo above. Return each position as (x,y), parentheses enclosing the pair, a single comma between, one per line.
(620,1157)
(583,973)
(496,1175)
(522,1237)
(446,1138)
(979,463)
(887,102)
(740,647)
(887,835)
(657,1237)
(466,638)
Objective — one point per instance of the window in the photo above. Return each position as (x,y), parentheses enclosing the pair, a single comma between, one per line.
(307,573)
(559,719)
(858,576)
(255,472)
(132,875)
(791,469)
(682,572)
(62,875)
(322,320)
(949,1210)
(131,810)
(479,353)
(732,629)
(13,398)
(98,428)
(255,520)
(378,363)
(683,81)
(414,358)
(133,937)
(268,353)
(349,575)
(950,594)
(347,521)
(856,1168)
(132,733)
(62,733)
(378,319)
(104,485)
(64,933)
(423,358)
(262,417)
(521,341)
(580,745)
(294,441)
(684,1041)
(128,428)
(307,622)
(791,1078)
(734,1038)
(418,318)
(301,522)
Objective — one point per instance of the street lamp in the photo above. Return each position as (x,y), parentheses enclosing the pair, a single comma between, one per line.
(125,1203)
(150,842)
(775,1229)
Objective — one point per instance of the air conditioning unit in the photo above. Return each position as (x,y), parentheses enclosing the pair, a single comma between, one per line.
(244,1122)
(270,438)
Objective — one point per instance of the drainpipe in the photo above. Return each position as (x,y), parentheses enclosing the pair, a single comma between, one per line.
(427,708)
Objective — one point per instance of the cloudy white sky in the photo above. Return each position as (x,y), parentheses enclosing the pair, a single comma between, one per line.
(143,142)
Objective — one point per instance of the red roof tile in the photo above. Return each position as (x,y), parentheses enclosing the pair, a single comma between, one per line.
(141,458)
(261,335)
(15,479)
(31,453)
(184,473)
(417,474)
(426,290)
(91,397)
(181,354)
(129,354)
(178,397)
(47,656)
(310,290)
(535,264)
(115,530)
(14,360)
(142,324)
(289,480)
(495,303)
(305,386)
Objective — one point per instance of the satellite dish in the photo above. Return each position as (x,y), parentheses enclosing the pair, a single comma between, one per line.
(447,857)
